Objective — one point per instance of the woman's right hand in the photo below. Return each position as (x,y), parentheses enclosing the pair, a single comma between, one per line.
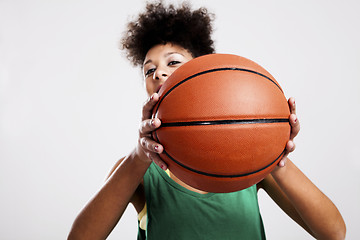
(147,149)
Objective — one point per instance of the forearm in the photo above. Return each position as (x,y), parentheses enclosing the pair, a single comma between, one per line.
(104,210)
(315,209)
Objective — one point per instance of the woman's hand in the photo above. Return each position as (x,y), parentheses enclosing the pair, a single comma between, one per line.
(147,149)
(295,128)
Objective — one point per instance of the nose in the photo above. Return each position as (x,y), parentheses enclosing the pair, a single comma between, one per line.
(160,74)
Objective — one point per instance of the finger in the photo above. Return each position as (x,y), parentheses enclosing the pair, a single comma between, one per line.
(292,105)
(149,105)
(158,161)
(149,125)
(282,162)
(150,145)
(290,147)
(295,126)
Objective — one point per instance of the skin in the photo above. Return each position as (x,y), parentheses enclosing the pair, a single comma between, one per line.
(290,189)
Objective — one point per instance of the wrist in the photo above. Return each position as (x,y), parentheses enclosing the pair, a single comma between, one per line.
(137,155)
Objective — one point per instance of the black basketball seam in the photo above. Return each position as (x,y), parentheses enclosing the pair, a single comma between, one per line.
(155,135)
(221,175)
(225,122)
(214,70)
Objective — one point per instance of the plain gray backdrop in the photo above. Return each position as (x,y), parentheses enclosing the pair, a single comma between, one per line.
(70,102)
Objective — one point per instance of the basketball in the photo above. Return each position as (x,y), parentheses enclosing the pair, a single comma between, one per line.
(224,123)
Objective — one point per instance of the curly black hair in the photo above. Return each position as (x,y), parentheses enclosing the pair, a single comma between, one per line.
(160,25)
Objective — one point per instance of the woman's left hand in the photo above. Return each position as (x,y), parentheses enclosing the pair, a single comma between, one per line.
(295,128)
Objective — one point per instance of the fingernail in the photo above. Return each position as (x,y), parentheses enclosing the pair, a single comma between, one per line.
(162,167)
(152,122)
(156,148)
(152,97)
(295,120)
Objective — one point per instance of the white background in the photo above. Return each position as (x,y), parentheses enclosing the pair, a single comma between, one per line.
(70,102)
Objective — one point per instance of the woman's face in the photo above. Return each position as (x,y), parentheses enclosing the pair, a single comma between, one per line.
(160,62)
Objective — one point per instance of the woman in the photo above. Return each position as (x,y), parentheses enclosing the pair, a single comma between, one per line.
(161,40)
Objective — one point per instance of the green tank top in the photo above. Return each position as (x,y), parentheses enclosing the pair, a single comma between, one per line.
(174,212)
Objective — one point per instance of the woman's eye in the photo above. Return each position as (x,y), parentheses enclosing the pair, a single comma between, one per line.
(173,62)
(150,71)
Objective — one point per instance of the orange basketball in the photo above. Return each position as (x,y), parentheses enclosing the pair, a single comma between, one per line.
(224,123)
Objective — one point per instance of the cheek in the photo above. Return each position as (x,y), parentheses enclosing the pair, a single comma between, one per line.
(149,86)
(173,69)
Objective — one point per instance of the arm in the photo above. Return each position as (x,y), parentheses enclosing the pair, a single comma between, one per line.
(100,215)
(103,211)
(298,197)
(304,202)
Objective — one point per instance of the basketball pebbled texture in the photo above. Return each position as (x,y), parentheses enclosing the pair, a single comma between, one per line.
(224,123)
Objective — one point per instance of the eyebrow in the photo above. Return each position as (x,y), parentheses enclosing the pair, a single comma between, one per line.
(167,54)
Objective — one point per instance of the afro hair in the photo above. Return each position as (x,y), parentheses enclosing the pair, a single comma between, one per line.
(160,25)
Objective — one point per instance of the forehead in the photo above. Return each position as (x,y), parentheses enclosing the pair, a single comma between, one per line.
(163,50)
